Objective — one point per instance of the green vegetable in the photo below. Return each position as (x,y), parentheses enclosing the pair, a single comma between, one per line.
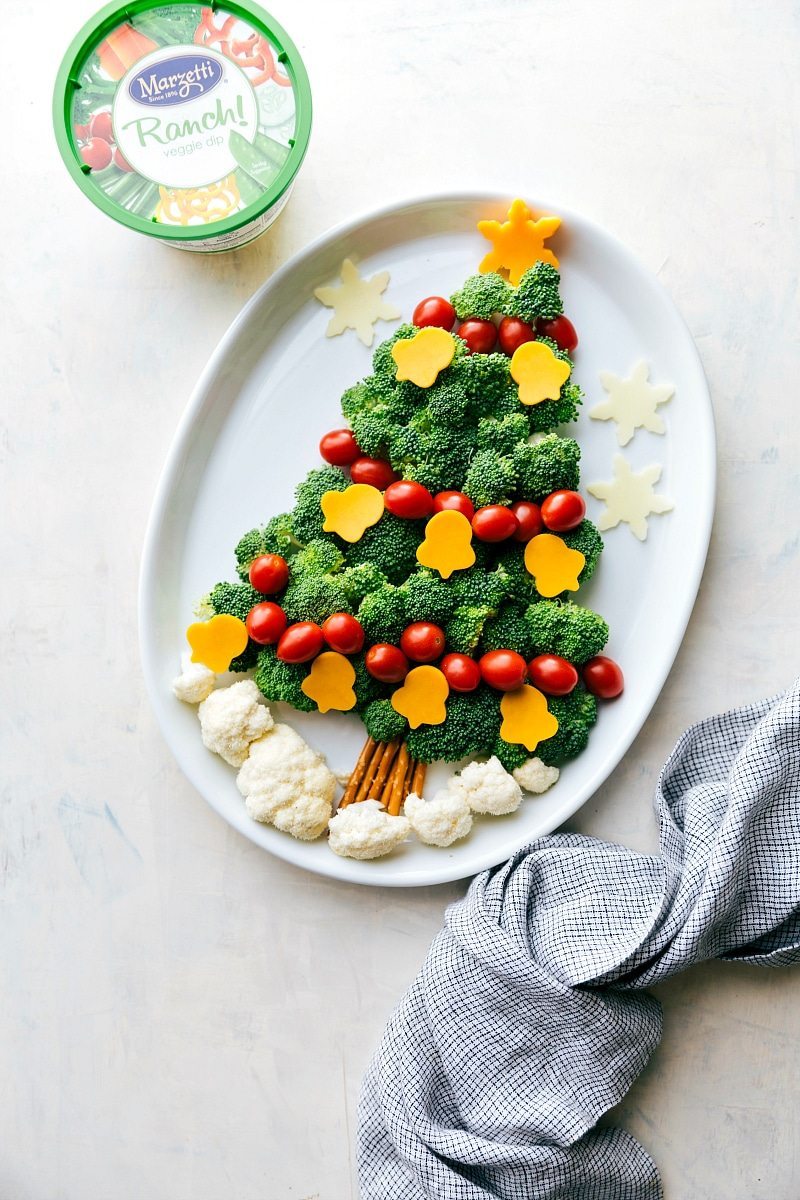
(508,630)
(490,479)
(511,754)
(487,381)
(282,681)
(551,413)
(276,537)
(586,539)
(472,724)
(359,580)
(575,713)
(382,722)
(479,586)
(313,597)
(572,632)
(428,598)
(537,294)
(307,516)
(382,614)
(249,191)
(504,436)
(463,630)
(320,557)
(261,159)
(236,600)
(482,296)
(391,545)
(546,466)
(374,431)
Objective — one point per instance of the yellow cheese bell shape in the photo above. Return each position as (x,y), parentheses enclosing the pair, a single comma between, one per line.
(538,372)
(330,683)
(448,543)
(423,356)
(526,718)
(421,698)
(554,566)
(214,643)
(351,512)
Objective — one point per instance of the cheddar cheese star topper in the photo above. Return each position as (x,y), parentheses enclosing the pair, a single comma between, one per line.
(518,242)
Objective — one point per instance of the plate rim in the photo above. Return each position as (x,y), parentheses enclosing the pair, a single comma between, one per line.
(386,874)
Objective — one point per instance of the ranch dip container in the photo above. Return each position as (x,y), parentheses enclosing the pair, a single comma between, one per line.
(184,121)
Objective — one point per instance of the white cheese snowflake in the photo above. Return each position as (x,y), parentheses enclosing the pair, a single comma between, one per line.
(357,303)
(629,497)
(632,402)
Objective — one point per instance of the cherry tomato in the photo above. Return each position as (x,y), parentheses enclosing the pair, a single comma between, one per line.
(374,471)
(266,623)
(603,677)
(422,642)
(480,336)
(386,663)
(461,672)
(514,333)
(300,642)
(120,160)
(269,573)
(529,520)
(436,311)
(81,132)
(562,511)
(456,501)
(561,330)
(494,523)
(343,633)
(552,674)
(100,126)
(408,499)
(503,669)
(96,153)
(339,448)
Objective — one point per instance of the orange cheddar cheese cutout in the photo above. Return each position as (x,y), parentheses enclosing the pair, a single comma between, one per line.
(421,698)
(214,643)
(330,683)
(448,543)
(351,512)
(518,242)
(526,718)
(421,357)
(554,566)
(538,373)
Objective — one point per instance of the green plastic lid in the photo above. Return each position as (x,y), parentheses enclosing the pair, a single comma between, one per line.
(183,121)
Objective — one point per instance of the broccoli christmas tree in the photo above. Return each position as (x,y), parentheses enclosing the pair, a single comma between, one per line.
(424,578)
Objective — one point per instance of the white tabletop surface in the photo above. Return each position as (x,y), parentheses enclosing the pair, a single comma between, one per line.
(183,1017)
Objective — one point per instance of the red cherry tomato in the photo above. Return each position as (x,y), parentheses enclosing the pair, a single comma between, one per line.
(514,333)
(561,330)
(343,633)
(503,669)
(603,677)
(96,153)
(562,511)
(269,574)
(456,501)
(100,125)
(386,663)
(529,520)
(81,132)
(494,523)
(120,160)
(300,642)
(436,311)
(374,471)
(422,642)
(461,672)
(339,448)
(408,499)
(552,674)
(480,336)
(266,623)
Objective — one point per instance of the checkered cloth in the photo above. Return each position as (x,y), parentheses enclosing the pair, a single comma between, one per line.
(529,1019)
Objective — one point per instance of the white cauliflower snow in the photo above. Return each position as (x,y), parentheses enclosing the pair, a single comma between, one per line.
(487,787)
(440,821)
(287,784)
(535,777)
(195,682)
(231,718)
(365,830)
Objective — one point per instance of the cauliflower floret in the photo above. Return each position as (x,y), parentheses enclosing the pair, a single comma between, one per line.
(231,718)
(365,830)
(440,821)
(195,682)
(487,787)
(287,784)
(535,777)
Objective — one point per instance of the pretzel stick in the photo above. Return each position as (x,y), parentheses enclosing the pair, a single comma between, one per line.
(409,776)
(371,772)
(398,778)
(358,773)
(418,779)
(390,750)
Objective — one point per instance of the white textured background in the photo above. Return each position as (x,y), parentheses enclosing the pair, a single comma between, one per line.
(181,1017)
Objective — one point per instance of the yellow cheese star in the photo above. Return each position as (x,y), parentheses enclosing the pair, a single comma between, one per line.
(214,643)
(538,372)
(421,698)
(330,683)
(526,718)
(554,566)
(518,242)
(351,512)
(421,357)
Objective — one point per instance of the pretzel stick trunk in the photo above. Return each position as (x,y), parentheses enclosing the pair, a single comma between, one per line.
(358,773)
(375,791)
(418,778)
(372,770)
(398,778)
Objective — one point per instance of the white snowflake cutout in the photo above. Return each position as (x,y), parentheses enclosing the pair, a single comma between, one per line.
(630,497)
(632,402)
(357,303)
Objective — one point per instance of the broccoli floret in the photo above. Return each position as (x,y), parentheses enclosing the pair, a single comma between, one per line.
(233,599)
(362,397)
(382,722)
(490,479)
(307,516)
(575,713)
(510,560)
(382,614)
(359,580)
(391,545)
(510,754)
(586,539)
(573,632)
(551,413)
(503,436)
(428,598)
(445,457)
(479,586)
(276,537)
(311,597)
(374,432)
(487,381)
(281,681)
(537,294)
(547,466)
(508,630)
(482,296)
(382,361)
(463,630)
(321,556)
(405,446)
(365,687)
(432,475)
(471,727)
(448,405)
